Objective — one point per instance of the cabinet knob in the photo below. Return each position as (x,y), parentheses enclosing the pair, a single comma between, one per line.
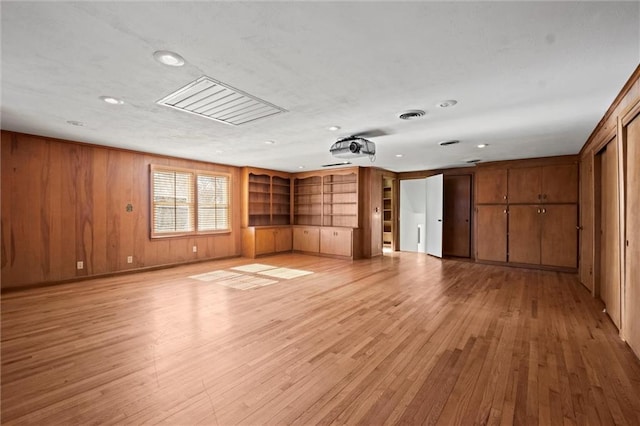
(505,197)
(544,210)
(538,211)
(544,196)
(504,211)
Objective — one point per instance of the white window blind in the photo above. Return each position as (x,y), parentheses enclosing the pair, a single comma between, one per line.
(213,202)
(187,202)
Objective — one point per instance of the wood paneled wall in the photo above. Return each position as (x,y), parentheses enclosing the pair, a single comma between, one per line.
(64,202)
(610,128)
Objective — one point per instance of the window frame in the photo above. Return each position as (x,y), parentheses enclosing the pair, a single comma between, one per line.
(194,181)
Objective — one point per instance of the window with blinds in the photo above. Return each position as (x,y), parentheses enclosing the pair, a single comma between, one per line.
(188,202)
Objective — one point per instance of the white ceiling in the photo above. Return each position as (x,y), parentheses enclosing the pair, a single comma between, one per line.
(531,78)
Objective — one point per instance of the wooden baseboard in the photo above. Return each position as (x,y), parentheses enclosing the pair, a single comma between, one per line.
(109,274)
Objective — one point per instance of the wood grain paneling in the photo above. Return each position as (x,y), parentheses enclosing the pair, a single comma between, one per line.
(491,239)
(456,238)
(524,233)
(632,234)
(64,202)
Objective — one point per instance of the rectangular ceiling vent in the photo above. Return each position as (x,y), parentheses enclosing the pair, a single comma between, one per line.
(217,101)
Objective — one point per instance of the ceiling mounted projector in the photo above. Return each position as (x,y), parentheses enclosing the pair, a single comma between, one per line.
(352,147)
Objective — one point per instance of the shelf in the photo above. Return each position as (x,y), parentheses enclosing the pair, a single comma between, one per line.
(340,192)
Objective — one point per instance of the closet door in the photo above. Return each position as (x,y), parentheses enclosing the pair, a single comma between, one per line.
(609,241)
(412,214)
(632,243)
(435,191)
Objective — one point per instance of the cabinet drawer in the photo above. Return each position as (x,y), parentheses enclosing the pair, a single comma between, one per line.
(306,239)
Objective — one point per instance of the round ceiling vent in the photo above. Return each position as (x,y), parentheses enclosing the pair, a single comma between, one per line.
(411,114)
(446,143)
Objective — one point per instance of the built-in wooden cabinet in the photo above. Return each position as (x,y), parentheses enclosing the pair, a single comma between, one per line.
(546,184)
(260,241)
(336,241)
(527,212)
(313,200)
(328,241)
(306,239)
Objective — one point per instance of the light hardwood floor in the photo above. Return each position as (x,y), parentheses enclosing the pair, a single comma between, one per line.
(401,339)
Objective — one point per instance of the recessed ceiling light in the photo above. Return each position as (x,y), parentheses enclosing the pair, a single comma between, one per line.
(168,58)
(447,104)
(301,167)
(483,145)
(269,142)
(399,155)
(446,143)
(334,128)
(75,123)
(111,100)
(411,114)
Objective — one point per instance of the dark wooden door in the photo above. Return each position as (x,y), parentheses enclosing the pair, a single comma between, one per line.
(491,236)
(456,231)
(524,233)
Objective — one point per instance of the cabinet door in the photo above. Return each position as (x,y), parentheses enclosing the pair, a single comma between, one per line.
(491,241)
(283,241)
(306,239)
(491,186)
(524,234)
(560,184)
(336,241)
(559,241)
(265,241)
(525,185)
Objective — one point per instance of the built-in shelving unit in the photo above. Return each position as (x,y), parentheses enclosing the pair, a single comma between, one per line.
(307,201)
(268,198)
(340,200)
(280,201)
(388,215)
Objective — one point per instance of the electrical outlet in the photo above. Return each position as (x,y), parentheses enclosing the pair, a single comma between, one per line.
(195,249)
(129,259)
(80,264)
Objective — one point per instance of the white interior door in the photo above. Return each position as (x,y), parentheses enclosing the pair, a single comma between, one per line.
(412,215)
(434,208)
